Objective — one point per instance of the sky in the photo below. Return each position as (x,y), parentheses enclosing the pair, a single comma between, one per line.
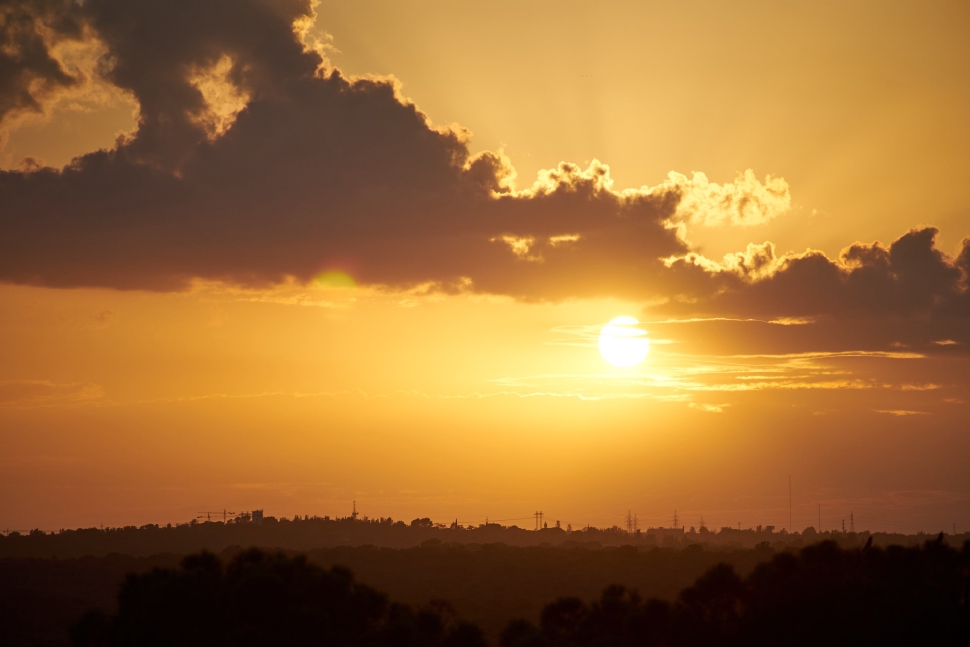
(289,255)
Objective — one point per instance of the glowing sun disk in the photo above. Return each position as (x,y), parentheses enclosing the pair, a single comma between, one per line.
(622,344)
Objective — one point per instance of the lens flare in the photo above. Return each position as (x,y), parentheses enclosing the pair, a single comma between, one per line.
(622,343)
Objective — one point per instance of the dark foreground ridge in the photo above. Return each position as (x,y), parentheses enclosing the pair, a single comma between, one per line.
(821,595)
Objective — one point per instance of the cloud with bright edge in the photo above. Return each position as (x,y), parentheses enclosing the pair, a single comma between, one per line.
(256,162)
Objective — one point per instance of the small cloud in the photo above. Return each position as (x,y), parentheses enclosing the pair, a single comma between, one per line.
(953,400)
(742,203)
(708,408)
(920,387)
(792,321)
(102,318)
(901,412)
(555,241)
(946,342)
(520,246)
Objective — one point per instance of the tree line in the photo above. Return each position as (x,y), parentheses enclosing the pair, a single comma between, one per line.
(822,594)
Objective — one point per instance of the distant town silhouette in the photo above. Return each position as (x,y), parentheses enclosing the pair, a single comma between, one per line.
(307,532)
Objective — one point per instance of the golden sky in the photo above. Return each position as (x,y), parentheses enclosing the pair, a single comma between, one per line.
(263,254)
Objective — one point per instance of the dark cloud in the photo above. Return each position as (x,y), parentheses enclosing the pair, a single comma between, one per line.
(155,47)
(317,172)
(254,162)
(28,71)
(909,278)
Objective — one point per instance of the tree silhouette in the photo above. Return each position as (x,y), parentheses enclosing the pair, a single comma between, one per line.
(260,598)
(822,595)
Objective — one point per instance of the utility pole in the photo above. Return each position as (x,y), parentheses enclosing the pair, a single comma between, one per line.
(852,522)
(791,528)
(820,517)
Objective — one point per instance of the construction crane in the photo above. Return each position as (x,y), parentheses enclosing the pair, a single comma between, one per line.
(208,515)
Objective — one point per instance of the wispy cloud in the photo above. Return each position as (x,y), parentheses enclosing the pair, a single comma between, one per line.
(901,412)
(30,394)
(708,408)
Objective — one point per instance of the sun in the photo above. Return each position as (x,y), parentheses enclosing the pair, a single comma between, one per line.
(622,343)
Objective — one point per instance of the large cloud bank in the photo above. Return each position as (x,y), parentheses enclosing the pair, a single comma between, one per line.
(255,162)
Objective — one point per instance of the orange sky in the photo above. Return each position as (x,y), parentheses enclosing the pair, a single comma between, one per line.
(172,341)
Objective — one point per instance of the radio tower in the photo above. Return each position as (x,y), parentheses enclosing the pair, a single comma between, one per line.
(676,524)
(852,522)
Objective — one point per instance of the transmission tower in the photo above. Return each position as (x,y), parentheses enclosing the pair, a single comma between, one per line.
(676,520)
(629,522)
(852,522)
